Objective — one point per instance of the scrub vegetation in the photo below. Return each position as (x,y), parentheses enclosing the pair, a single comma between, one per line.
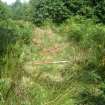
(52,52)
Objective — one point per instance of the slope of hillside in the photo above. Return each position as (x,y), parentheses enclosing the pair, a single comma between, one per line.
(50,68)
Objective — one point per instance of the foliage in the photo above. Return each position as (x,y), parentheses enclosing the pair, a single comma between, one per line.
(20,11)
(11,31)
(99,10)
(59,10)
(89,37)
(48,9)
(79,40)
(14,35)
(4,11)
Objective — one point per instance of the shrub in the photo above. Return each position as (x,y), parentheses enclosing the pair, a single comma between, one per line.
(47,9)
(84,32)
(14,35)
(5,12)
(60,10)
(91,99)
(11,31)
(39,11)
(90,36)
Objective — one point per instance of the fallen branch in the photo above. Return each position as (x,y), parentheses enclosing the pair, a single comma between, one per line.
(49,62)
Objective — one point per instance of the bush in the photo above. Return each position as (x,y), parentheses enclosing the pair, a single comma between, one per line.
(47,9)
(14,35)
(12,31)
(91,99)
(89,37)
(60,10)
(99,10)
(5,12)
(84,32)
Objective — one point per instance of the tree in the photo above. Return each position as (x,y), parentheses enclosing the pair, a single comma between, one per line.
(20,11)
(4,11)
(100,10)
(48,9)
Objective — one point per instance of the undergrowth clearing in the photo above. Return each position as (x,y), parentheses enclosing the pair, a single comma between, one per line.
(53,69)
(46,77)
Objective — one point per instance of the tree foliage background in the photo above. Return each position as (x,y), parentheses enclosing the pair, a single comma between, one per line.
(59,10)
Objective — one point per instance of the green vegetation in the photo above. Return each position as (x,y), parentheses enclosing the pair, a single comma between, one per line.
(60,10)
(52,52)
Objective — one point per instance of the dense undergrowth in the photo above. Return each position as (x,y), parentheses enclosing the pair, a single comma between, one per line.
(14,36)
(61,62)
(90,37)
(27,77)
